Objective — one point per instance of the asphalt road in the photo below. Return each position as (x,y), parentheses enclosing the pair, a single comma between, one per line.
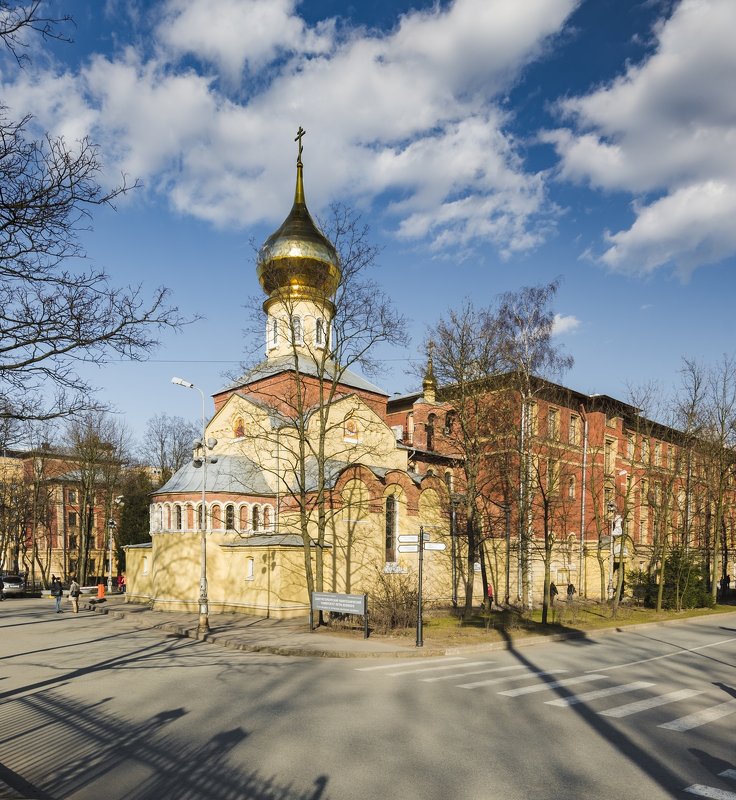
(90,707)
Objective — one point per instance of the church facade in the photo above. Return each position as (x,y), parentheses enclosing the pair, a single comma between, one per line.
(308,475)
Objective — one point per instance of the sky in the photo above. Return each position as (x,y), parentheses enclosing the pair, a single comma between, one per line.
(488,144)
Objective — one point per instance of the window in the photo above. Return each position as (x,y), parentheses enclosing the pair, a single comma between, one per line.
(230,518)
(72,542)
(267,518)
(274,333)
(449,481)
(574,431)
(608,456)
(319,333)
(72,519)
(391,526)
(296,330)
(657,454)
(449,422)
(201,514)
(552,423)
(645,450)
(351,430)
(410,428)
(571,487)
(430,431)
(178,518)
(553,476)
(256,518)
(250,573)
(71,496)
(630,446)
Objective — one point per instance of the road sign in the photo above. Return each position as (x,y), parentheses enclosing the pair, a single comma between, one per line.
(434,546)
(413,539)
(408,548)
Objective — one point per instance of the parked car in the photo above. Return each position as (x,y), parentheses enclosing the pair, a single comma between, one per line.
(14,585)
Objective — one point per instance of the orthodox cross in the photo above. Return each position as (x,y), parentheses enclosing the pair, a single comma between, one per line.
(299,134)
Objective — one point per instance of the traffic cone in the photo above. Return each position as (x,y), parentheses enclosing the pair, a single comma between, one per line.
(100,591)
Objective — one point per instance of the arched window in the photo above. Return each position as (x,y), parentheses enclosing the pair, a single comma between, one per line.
(244,518)
(449,481)
(256,518)
(319,333)
(159,518)
(267,518)
(216,516)
(296,329)
(449,422)
(230,517)
(392,519)
(273,333)
(430,431)
(201,517)
(238,428)
(178,518)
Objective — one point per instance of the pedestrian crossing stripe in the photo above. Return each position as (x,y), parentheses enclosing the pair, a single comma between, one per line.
(650,702)
(440,668)
(541,687)
(701,717)
(710,792)
(598,693)
(505,678)
(476,672)
(393,665)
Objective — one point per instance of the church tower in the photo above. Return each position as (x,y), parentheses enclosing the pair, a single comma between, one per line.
(299,270)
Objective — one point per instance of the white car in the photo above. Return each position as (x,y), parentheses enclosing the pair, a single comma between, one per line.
(14,585)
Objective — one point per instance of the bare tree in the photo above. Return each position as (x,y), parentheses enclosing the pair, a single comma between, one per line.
(99,446)
(52,318)
(302,424)
(167,444)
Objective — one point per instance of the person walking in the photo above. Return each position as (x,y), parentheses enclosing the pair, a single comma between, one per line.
(56,592)
(74,591)
(570,592)
(490,597)
(552,593)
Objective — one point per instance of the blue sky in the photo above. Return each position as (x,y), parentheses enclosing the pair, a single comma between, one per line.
(489,144)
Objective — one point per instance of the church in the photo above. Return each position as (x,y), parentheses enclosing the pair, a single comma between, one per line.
(303,482)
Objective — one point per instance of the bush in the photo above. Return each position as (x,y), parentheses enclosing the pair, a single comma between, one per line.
(393,602)
(685,580)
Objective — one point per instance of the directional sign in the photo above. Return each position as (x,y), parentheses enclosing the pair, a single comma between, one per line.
(434,546)
(408,548)
(414,539)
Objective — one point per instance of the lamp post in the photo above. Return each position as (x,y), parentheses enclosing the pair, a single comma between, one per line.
(110,529)
(204,625)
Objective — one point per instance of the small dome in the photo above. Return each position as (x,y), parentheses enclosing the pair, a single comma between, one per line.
(298,260)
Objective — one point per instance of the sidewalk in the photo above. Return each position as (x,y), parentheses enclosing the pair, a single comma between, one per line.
(256,634)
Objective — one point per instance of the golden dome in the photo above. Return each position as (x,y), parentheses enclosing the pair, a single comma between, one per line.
(298,260)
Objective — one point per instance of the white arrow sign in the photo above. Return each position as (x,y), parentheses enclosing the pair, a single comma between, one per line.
(434,546)
(408,548)
(413,539)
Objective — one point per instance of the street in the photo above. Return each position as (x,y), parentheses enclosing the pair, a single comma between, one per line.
(93,708)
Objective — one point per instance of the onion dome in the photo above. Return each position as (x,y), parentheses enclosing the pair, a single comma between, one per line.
(298,261)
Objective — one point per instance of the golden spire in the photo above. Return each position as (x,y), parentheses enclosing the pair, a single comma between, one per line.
(429,384)
(298,261)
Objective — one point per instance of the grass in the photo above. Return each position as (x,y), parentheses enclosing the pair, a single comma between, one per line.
(446,628)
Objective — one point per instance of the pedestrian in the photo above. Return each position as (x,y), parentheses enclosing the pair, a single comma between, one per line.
(570,592)
(56,592)
(552,593)
(2,588)
(74,591)
(123,583)
(490,596)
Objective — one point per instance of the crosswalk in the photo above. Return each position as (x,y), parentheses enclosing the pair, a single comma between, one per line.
(701,790)
(458,669)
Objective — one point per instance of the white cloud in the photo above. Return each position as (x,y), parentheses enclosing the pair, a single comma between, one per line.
(412,115)
(564,323)
(666,129)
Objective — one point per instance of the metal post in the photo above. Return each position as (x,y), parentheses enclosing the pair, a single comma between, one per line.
(420,639)
(507,512)
(453,545)
(203,625)
(110,528)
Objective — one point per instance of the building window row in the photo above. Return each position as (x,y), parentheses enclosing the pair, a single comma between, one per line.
(241,517)
(314,328)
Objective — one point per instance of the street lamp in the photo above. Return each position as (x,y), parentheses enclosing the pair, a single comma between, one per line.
(611,508)
(111,529)
(203,601)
